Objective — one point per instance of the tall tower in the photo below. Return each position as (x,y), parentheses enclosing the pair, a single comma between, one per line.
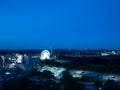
(51,51)
(3,61)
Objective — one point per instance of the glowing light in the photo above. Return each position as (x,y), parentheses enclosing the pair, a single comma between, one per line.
(19,59)
(3,58)
(113,52)
(12,65)
(45,54)
(56,71)
(8,73)
(105,54)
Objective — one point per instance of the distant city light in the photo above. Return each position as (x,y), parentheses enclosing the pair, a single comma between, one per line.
(45,54)
(12,65)
(57,71)
(3,58)
(19,58)
(7,73)
(113,52)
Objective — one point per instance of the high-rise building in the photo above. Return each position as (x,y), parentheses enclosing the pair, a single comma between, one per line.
(34,61)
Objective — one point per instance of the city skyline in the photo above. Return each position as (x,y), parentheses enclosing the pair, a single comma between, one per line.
(69,24)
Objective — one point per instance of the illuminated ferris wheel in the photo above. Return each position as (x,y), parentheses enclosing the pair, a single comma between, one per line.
(45,54)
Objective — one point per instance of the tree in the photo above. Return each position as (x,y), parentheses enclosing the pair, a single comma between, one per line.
(48,74)
(70,83)
(98,84)
(111,85)
(50,85)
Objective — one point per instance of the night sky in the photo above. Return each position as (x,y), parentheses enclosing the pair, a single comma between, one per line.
(44,24)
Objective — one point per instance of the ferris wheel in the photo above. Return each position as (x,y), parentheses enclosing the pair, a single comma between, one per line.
(45,54)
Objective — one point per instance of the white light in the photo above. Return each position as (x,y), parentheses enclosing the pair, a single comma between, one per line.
(19,59)
(3,58)
(12,65)
(55,70)
(113,52)
(8,73)
(45,55)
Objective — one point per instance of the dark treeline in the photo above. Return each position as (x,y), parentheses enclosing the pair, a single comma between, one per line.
(27,51)
(99,64)
(47,82)
(110,60)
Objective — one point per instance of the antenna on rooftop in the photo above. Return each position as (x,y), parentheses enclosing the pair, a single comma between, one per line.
(51,50)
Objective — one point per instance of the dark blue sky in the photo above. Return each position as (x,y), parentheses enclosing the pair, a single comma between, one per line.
(38,24)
